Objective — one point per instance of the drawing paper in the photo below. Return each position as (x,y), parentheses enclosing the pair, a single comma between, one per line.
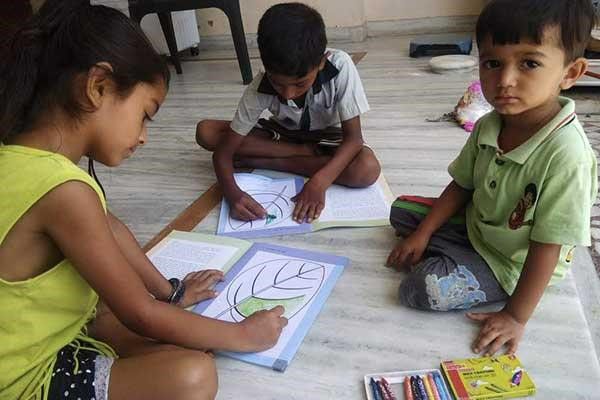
(257,276)
(344,207)
(267,276)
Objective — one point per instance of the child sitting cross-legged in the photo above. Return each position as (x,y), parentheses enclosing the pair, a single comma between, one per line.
(526,178)
(309,90)
(81,80)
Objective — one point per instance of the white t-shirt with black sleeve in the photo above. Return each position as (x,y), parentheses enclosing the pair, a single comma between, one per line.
(336,95)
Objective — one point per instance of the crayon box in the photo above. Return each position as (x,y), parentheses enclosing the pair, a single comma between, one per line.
(500,377)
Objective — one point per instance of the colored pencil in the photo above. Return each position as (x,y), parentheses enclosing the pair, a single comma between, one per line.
(415,388)
(387,388)
(427,387)
(444,389)
(436,394)
(421,387)
(407,389)
(375,390)
(382,393)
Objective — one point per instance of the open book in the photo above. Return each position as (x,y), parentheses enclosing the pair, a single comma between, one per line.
(344,207)
(257,277)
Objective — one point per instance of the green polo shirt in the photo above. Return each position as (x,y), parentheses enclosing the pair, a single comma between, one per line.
(542,190)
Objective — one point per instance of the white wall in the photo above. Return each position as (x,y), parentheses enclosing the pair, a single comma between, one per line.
(336,13)
(385,10)
(343,13)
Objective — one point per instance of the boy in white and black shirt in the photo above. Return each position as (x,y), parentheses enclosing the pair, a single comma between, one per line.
(315,97)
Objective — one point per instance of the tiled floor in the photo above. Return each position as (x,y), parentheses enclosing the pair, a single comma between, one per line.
(361,329)
(591,124)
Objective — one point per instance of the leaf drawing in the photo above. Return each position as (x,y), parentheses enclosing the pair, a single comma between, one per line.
(253,304)
(292,283)
(278,206)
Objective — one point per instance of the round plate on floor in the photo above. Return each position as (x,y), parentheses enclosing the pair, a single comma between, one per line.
(452,63)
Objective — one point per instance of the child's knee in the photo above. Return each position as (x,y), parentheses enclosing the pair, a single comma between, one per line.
(439,286)
(422,288)
(365,168)
(196,375)
(413,293)
(206,135)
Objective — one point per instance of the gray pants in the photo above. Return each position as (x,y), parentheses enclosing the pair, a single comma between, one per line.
(451,275)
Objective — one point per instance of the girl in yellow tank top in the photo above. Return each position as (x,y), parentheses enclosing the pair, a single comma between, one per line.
(81,80)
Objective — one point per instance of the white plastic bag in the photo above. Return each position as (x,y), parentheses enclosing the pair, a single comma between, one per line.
(471,107)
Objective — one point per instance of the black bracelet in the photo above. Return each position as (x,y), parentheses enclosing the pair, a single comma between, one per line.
(177,291)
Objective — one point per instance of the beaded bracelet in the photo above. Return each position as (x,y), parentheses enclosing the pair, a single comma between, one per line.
(177,291)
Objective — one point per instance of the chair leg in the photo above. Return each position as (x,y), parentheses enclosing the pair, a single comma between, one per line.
(231,8)
(166,22)
(135,13)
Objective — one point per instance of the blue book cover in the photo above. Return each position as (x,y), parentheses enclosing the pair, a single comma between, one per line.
(275,196)
(267,276)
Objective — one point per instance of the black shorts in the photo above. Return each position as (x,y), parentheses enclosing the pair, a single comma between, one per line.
(328,137)
(79,374)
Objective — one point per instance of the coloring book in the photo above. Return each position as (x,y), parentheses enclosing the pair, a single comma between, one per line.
(344,207)
(257,277)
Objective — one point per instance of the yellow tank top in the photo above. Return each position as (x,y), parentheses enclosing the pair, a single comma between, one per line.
(40,315)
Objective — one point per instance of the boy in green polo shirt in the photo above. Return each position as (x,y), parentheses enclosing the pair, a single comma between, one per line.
(526,178)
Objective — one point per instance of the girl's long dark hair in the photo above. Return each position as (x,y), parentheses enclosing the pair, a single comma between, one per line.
(40,60)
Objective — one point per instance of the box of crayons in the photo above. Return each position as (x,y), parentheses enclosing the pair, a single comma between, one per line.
(426,384)
(500,377)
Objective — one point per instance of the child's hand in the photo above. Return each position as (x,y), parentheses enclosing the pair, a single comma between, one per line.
(262,329)
(244,207)
(408,252)
(309,202)
(198,286)
(498,329)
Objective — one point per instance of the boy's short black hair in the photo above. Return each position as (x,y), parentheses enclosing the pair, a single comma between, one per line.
(509,21)
(291,39)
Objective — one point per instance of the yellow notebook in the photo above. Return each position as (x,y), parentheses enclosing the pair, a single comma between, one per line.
(499,377)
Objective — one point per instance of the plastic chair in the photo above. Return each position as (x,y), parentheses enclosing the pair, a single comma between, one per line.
(139,8)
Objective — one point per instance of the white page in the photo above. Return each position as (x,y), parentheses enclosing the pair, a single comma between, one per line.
(274,195)
(178,257)
(352,204)
(256,279)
